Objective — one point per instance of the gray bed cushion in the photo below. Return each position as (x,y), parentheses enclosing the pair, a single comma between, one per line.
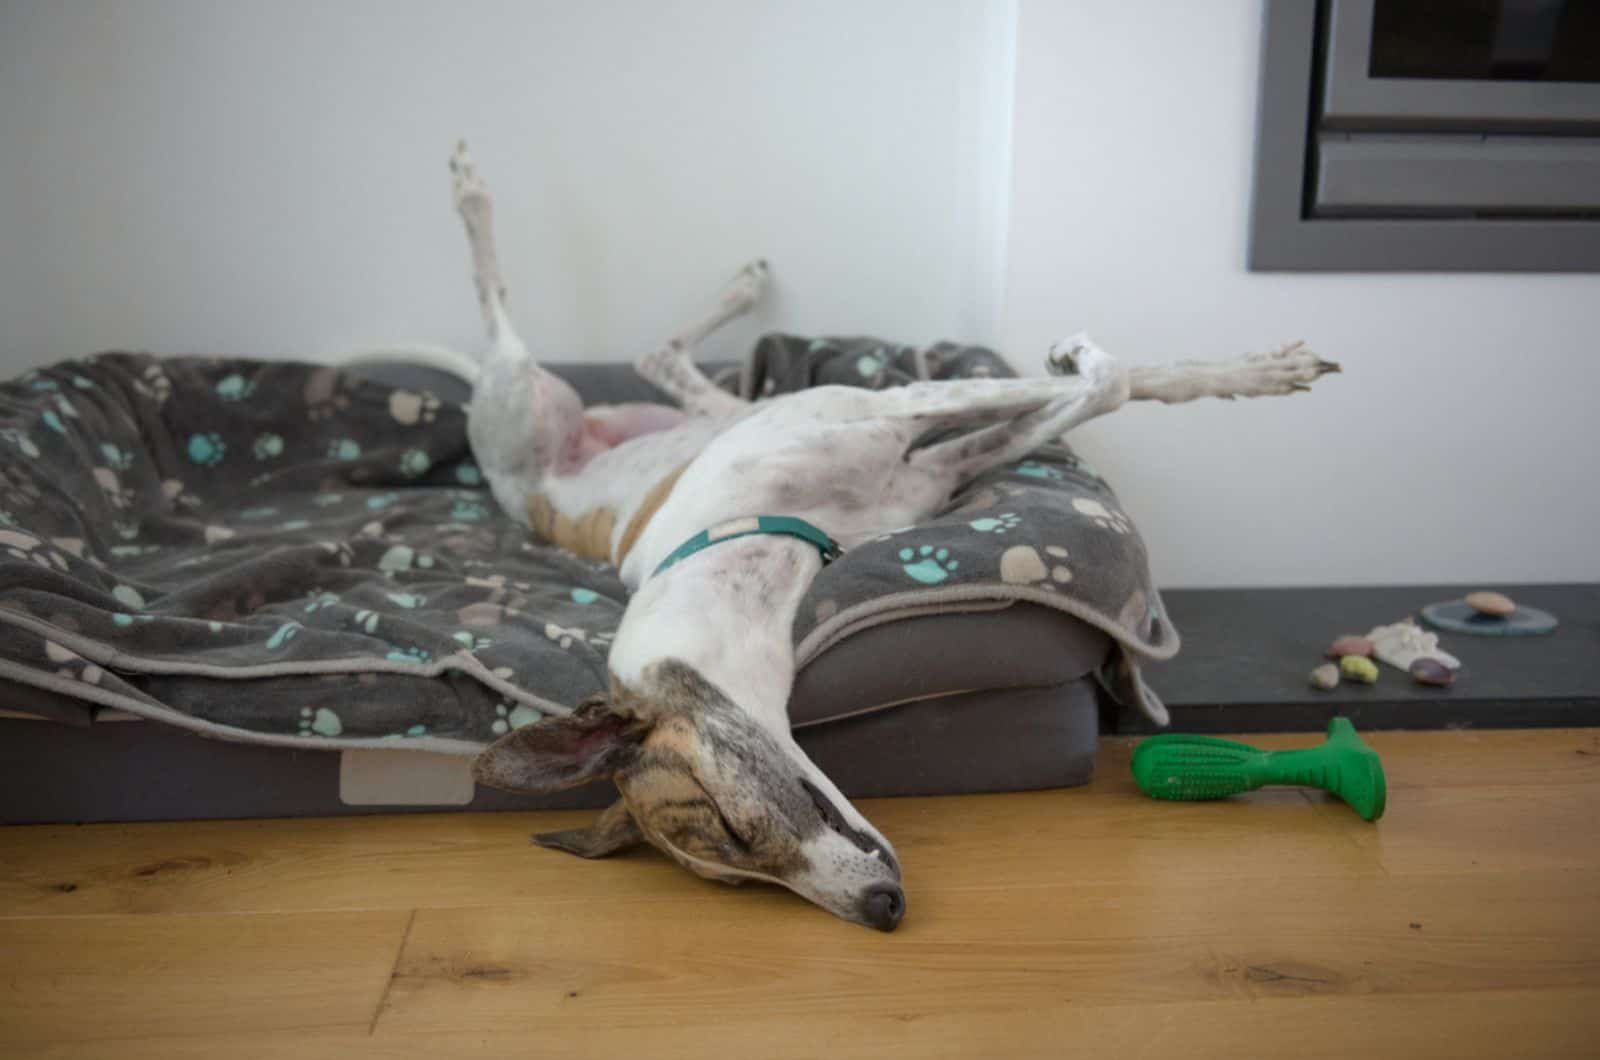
(1011,646)
(1010,740)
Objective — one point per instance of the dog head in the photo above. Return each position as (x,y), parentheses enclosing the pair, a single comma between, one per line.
(703,782)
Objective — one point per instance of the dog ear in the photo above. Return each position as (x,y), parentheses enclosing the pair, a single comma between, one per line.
(562,751)
(612,831)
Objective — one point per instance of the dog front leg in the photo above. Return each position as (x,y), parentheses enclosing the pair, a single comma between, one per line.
(1284,371)
(672,368)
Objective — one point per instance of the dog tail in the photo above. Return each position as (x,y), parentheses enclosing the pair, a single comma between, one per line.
(463,366)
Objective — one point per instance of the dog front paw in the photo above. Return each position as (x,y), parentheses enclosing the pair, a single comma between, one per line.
(747,287)
(1063,356)
(1288,369)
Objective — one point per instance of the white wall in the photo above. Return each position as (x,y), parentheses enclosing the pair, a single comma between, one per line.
(1461,442)
(269,178)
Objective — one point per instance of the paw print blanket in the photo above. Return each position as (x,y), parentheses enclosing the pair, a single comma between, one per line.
(288,554)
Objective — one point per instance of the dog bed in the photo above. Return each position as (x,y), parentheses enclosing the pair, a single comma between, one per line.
(290,555)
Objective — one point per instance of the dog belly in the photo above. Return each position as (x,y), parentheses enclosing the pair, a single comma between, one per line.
(601,512)
(608,426)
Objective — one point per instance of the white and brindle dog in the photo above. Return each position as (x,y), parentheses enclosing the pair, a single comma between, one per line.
(694,729)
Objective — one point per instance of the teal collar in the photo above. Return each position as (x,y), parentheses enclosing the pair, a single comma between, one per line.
(756,524)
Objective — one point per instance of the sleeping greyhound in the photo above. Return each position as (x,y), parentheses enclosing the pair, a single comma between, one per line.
(719,514)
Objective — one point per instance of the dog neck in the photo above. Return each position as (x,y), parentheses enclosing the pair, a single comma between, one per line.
(727,611)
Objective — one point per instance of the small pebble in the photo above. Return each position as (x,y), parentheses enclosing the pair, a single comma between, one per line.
(1325,677)
(1498,605)
(1426,671)
(1357,668)
(1350,645)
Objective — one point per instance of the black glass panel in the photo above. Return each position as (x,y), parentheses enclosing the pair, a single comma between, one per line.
(1487,40)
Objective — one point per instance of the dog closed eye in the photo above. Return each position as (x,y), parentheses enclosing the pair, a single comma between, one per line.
(740,843)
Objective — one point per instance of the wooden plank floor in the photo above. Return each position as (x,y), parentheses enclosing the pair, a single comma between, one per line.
(1465,923)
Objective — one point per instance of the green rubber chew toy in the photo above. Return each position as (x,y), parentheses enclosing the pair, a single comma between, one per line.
(1175,766)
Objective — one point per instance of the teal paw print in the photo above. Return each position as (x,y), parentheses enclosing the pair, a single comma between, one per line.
(584,596)
(382,501)
(116,459)
(344,449)
(399,558)
(367,620)
(321,600)
(508,718)
(869,365)
(414,462)
(53,421)
(469,512)
(206,450)
(927,565)
(235,388)
(284,635)
(413,654)
(268,445)
(1034,469)
(998,524)
(469,475)
(470,642)
(319,722)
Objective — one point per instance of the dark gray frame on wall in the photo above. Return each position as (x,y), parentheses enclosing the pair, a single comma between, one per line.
(1287,234)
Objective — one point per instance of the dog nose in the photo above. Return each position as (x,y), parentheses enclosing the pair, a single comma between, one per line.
(883,906)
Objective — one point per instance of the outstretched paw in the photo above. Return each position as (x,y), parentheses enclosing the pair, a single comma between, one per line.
(1103,377)
(747,287)
(1063,356)
(1080,356)
(1286,370)
(1076,355)
(477,215)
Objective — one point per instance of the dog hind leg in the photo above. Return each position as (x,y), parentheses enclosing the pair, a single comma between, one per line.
(672,368)
(1091,384)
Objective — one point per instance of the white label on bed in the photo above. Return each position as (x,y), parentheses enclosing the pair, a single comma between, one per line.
(404,778)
